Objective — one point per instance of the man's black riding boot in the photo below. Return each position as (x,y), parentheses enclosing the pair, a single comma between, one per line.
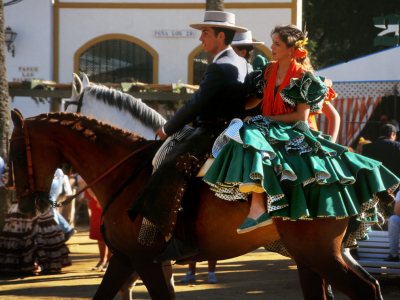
(175,250)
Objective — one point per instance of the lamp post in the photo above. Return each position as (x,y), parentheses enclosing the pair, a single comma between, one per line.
(9,37)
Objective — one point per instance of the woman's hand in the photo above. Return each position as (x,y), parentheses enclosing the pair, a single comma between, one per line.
(247,118)
(251,102)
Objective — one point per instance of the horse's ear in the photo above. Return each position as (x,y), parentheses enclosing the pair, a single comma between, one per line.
(17,119)
(77,82)
(18,111)
(75,94)
(85,81)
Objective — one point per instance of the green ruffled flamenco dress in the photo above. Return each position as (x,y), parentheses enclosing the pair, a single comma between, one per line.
(304,175)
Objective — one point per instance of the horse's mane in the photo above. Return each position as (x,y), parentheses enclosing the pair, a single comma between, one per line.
(89,126)
(138,110)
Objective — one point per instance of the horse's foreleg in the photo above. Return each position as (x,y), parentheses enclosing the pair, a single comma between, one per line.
(125,293)
(312,285)
(154,279)
(355,266)
(114,278)
(317,245)
(169,278)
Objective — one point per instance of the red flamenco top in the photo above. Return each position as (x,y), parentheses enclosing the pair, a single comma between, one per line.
(273,104)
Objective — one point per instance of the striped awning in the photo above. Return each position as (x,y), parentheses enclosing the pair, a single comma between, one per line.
(356,103)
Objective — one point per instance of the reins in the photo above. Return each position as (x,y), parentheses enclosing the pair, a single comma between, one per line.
(69,199)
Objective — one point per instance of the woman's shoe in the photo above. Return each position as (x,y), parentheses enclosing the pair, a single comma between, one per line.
(248,225)
(105,267)
(99,266)
(264,220)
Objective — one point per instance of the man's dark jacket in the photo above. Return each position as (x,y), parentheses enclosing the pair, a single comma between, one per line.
(221,95)
(385,151)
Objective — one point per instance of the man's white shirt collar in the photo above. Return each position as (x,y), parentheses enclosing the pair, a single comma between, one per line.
(219,54)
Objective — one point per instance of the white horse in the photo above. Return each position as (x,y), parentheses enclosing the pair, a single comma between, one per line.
(131,114)
(128,113)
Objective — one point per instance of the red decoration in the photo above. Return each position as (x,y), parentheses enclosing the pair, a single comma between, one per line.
(300,53)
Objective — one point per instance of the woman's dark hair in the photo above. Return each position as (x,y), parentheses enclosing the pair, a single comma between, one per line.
(229,34)
(290,34)
(249,51)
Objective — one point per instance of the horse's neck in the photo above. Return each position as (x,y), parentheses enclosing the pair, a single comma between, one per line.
(99,110)
(91,157)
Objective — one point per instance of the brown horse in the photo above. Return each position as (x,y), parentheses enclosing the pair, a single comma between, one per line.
(92,148)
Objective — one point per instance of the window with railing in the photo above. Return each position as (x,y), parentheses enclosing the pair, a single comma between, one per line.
(117,61)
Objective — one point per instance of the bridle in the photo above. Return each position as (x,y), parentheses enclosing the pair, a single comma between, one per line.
(79,103)
(32,189)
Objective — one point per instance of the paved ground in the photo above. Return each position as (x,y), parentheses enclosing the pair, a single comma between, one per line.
(255,276)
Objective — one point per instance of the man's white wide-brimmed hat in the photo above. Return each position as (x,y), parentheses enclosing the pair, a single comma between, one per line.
(244,39)
(220,19)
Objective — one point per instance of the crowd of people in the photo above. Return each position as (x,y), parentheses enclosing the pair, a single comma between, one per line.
(38,245)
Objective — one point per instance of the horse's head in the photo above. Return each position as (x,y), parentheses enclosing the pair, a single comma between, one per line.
(33,162)
(74,105)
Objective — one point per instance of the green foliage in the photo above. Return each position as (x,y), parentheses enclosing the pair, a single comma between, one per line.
(39,100)
(343,30)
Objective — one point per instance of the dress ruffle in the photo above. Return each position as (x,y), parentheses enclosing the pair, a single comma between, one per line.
(308,89)
(304,175)
(32,245)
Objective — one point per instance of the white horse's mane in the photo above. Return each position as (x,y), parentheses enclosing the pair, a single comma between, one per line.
(125,102)
(115,108)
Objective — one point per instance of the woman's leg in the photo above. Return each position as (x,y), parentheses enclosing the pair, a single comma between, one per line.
(103,256)
(192,268)
(211,271)
(257,207)
(103,251)
(257,216)
(211,266)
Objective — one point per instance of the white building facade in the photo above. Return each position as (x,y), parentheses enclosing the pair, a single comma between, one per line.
(113,41)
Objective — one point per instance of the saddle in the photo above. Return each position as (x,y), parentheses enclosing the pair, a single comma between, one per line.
(187,165)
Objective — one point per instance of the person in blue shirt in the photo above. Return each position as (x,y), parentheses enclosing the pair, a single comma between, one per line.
(55,191)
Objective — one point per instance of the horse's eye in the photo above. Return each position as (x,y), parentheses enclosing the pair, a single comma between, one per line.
(19,156)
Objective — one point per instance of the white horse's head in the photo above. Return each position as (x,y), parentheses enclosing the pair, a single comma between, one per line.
(113,107)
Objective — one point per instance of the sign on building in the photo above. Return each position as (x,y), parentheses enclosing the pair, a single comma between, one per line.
(390,36)
(162,33)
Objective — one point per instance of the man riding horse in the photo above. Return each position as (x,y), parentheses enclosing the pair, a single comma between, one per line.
(220,98)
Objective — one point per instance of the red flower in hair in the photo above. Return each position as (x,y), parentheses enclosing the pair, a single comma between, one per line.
(300,53)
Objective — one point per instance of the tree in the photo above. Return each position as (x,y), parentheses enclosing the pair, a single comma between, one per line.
(342,30)
(5,125)
(217,5)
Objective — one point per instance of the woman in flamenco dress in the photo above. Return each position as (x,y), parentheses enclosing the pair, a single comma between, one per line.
(32,246)
(292,171)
